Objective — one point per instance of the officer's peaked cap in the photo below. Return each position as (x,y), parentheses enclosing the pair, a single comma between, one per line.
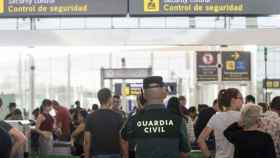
(147,82)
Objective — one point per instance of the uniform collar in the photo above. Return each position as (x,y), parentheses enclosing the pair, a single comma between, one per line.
(154,106)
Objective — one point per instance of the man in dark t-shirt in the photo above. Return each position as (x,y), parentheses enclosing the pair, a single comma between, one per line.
(102,129)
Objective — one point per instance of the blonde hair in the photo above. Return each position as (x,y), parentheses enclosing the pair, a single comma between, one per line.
(250,113)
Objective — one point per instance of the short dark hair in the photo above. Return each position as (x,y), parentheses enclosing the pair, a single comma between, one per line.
(12,105)
(250,98)
(94,107)
(104,95)
(77,102)
(275,103)
(18,112)
(117,97)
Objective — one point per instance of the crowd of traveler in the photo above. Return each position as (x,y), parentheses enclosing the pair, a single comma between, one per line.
(230,128)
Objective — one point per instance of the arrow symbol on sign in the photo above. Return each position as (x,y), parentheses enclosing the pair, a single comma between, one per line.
(235,56)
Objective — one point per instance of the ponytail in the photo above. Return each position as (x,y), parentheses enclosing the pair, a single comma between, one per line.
(225,96)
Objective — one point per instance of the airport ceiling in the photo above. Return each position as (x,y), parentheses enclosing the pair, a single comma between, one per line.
(134,37)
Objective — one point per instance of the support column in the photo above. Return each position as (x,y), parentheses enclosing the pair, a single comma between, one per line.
(68,97)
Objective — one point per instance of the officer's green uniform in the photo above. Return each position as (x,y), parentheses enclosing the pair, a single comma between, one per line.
(157,133)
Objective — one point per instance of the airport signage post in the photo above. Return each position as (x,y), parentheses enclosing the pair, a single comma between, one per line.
(206,66)
(203,7)
(62,8)
(236,66)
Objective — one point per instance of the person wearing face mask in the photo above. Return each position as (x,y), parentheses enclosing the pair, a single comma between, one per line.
(44,127)
(231,101)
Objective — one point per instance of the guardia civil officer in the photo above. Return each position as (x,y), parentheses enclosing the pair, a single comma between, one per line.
(156,132)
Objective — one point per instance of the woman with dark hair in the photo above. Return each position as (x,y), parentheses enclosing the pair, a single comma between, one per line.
(44,127)
(173,106)
(231,101)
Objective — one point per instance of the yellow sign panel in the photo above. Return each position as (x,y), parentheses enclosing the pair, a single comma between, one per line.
(230,65)
(276,84)
(151,5)
(1,6)
(126,90)
(269,84)
(135,91)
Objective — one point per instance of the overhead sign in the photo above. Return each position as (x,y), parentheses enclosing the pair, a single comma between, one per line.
(271,83)
(126,73)
(236,66)
(203,7)
(128,89)
(49,8)
(135,88)
(206,66)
